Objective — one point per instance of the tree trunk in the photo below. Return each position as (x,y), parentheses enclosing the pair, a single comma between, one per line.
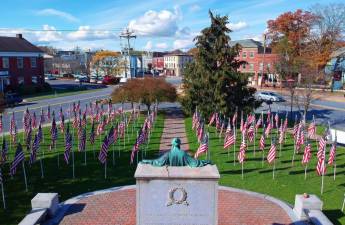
(291,104)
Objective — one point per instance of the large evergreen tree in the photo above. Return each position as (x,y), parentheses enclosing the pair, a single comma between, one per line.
(212,82)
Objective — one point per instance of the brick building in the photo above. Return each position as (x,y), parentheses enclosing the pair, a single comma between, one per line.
(260,61)
(20,63)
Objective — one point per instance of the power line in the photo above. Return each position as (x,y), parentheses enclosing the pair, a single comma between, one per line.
(59,30)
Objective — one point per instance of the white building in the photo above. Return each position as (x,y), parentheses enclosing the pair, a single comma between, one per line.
(175,63)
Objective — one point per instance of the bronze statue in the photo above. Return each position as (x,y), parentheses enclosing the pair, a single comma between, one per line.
(176,157)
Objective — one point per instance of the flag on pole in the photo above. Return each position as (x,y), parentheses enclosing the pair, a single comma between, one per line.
(271,156)
(48,113)
(18,158)
(34,149)
(92,133)
(234,118)
(4,151)
(53,132)
(40,133)
(250,132)
(312,129)
(29,137)
(212,119)
(262,142)
(13,128)
(140,139)
(34,121)
(42,119)
(62,124)
(307,153)
(332,153)
(203,148)
(258,123)
(68,145)
(321,167)
(82,141)
(276,118)
(268,128)
(242,153)
(107,141)
(229,139)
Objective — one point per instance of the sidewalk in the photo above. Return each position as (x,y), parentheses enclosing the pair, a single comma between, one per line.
(174,127)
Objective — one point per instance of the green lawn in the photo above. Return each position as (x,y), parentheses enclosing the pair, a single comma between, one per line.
(59,179)
(289,179)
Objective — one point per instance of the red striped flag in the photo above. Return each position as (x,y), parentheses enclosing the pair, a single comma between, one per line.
(332,153)
(229,140)
(203,148)
(242,153)
(321,165)
(307,154)
(212,119)
(234,118)
(311,130)
(271,156)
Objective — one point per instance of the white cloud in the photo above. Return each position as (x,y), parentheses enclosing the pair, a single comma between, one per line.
(61,14)
(148,46)
(162,45)
(255,37)
(86,33)
(194,8)
(153,23)
(49,34)
(183,44)
(237,26)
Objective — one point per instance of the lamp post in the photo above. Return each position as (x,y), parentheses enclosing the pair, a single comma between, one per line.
(291,83)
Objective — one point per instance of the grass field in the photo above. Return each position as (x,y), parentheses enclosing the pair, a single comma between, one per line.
(59,179)
(289,179)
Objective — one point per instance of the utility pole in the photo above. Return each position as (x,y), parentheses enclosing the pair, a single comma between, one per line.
(127,34)
(263,62)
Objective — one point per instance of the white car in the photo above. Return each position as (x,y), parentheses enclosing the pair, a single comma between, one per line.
(270,96)
(50,77)
(123,80)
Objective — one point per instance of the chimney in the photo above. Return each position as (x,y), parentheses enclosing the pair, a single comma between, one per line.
(20,36)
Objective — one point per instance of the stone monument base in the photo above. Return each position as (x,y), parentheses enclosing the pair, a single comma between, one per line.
(177,195)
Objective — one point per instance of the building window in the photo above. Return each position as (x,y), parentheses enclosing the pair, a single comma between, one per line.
(244,66)
(251,54)
(5,63)
(261,66)
(33,62)
(268,66)
(244,54)
(20,63)
(251,66)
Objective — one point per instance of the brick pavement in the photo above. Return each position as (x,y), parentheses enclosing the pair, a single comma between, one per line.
(118,208)
(173,127)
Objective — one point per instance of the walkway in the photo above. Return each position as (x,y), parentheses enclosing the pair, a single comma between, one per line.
(173,127)
(234,207)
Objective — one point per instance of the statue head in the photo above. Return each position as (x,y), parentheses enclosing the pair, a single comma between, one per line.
(176,142)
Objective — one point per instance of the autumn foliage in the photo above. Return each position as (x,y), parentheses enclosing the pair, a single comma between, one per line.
(146,91)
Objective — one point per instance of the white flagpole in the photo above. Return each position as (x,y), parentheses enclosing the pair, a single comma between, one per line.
(280,142)
(242,169)
(24,172)
(263,150)
(305,171)
(335,157)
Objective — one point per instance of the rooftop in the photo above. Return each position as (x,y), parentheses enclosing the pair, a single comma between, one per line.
(247,43)
(17,44)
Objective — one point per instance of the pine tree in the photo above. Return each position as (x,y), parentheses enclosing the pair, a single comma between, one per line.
(212,82)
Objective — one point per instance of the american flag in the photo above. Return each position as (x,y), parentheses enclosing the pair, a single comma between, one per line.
(48,113)
(321,166)
(242,153)
(228,129)
(276,118)
(262,142)
(250,119)
(26,119)
(42,119)
(268,116)
(75,120)
(286,122)
(203,148)
(250,132)
(62,124)
(100,127)
(4,151)
(268,128)
(122,128)
(218,121)
(242,124)
(200,132)
(13,128)
(212,119)
(311,130)
(271,156)
(281,134)
(82,141)
(234,118)
(1,123)
(295,130)
(40,133)
(79,128)
(84,121)
(92,133)
(28,138)
(307,153)
(53,131)
(68,145)
(222,127)
(195,118)
(61,113)
(107,141)
(229,139)
(18,158)
(34,149)
(332,153)
(258,123)
(140,140)
(34,121)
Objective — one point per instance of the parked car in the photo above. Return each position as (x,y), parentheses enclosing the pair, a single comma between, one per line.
(111,80)
(100,80)
(50,77)
(270,96)
(123,80)
(81,78)
(12,99)
(93,79)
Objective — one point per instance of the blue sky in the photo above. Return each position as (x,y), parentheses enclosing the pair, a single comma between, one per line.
(159,24)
